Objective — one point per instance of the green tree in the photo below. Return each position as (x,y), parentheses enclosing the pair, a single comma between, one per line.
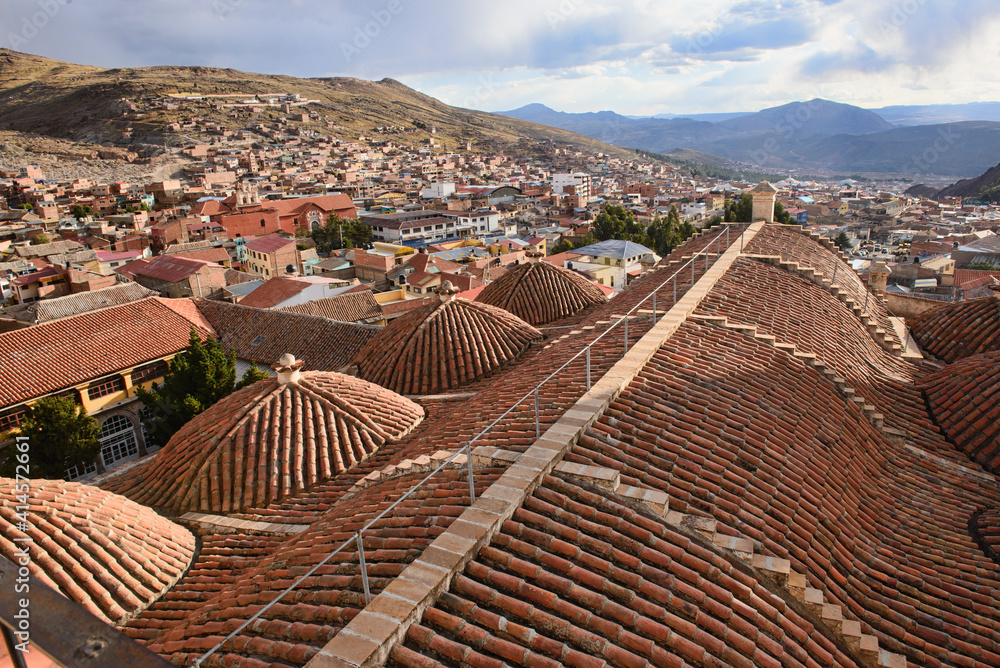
(843,241)
(616,222)
(739,211)
(199,376)
(664,234)
(60,434)
(252,375)
(341,233)
(561,247)
(40,239)
(782,216)
(80,211)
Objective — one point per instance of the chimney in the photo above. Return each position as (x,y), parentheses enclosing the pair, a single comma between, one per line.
(289,369)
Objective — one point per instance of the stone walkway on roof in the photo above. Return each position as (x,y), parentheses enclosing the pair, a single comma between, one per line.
(369,637)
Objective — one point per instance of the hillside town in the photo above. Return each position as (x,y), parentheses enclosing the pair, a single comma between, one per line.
(243,206)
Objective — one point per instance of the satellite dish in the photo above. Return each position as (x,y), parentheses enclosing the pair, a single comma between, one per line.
(290,269)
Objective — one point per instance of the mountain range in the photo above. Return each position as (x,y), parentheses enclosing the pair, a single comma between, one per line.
(814,135)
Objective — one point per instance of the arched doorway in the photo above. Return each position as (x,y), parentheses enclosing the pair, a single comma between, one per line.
(118,440)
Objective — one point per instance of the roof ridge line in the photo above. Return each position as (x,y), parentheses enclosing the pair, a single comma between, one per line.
(371,635)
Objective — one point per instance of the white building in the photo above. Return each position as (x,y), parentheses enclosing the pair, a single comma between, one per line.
(577,183)
(438,190)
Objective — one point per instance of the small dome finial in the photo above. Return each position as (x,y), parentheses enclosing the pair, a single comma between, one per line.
(289,369)
(447,292)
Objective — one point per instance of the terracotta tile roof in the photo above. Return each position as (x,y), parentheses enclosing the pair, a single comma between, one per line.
(168,268)
(264,335)
(192,617)
(955,331)
(986,529)
(735,429)
(964,277)
(82,302)
(274,291)
(789,242)
(540,293)
(206,254)
(269,441)
(350,307)
(269,243)
(110,555)
(965,400)
(443,346)
(580,577)
(51,356)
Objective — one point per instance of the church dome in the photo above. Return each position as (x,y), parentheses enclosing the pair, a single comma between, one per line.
(963,398)
(540,293)
(274,438)
(100,550)
(444,345)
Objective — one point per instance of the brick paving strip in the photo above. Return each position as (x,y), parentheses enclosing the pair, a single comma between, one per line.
(368,639)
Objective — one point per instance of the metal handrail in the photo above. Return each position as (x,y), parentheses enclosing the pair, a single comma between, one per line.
(358,537)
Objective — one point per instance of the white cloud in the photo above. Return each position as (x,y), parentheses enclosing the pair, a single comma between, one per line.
(633,56)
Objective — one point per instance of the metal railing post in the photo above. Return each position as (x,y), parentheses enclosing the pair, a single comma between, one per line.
(834,279)
(867,295)
(706,259)
(742,237)
(675,290)
(626,332)
(727,236)
(364,567)
(472,479)
(538,429)
(692,270)
(654,308)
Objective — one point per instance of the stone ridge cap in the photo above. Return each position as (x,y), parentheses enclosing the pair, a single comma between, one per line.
(367,640)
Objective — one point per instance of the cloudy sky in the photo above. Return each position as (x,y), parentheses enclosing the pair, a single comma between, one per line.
(630,56)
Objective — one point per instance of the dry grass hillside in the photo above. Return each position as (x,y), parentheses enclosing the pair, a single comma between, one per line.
(84,104)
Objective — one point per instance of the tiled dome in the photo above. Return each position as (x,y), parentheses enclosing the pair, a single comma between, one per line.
(443,346)
(110,555)
(540,293)
(270,440)
(963,398)
(954,331)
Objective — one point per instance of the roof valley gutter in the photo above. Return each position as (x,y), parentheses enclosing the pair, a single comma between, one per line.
(369,638)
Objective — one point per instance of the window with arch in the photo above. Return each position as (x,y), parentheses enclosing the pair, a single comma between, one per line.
(118,439)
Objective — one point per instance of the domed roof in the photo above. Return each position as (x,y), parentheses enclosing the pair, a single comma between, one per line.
(271,439)
(963,398)
(442,346)
(953,331)
(540,293)
(100,550)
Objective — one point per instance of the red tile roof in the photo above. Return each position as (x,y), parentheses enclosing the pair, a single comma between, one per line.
(954,331)
(236,574)
(986,529)
(350,307)
(965,400)
(168,268)
(264,335)
(274,291)
(110,555)
(540,293)
(51,356)
(443,346)
(270,441)
(269,243)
